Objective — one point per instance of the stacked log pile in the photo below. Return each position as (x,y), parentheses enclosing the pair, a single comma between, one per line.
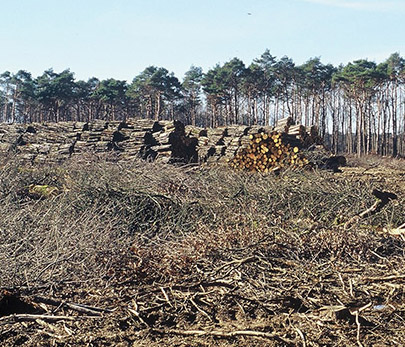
(235,144)
(210,145)
(164,141)
(39,142)
(167,142)
(304,137)
(253,148)
(276,149)
(268,152)
(222,143)
(283,125)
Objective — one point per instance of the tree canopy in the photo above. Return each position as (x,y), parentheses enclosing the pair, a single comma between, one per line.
(358,107)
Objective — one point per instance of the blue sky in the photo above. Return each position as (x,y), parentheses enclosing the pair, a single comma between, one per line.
(119,38)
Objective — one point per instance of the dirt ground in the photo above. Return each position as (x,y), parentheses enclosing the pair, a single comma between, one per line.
(301,266)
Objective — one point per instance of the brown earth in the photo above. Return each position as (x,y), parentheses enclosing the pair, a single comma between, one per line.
(189,256)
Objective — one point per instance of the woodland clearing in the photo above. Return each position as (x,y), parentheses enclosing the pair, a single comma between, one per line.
(151,254)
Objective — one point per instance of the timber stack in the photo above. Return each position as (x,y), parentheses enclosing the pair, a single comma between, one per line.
(252,148)
(268,152)
(278,148)
(256,148)
(164,141)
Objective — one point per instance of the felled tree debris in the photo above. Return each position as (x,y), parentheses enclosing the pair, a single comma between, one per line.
(321,158)
(400,231)
(160,256)
(382,199)
(334,162)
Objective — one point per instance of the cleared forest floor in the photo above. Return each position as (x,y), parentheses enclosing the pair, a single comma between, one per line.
(96,253)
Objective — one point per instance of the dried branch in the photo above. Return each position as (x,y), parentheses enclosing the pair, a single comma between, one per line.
(224,334)
(383,198)
(76,307)
(33,317)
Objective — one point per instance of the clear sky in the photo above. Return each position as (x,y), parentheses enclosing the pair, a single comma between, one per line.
(120,38)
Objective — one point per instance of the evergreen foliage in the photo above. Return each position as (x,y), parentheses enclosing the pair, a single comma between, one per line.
(358,107)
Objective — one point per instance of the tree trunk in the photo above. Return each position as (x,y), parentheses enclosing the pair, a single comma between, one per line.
(158,106)
(350,130)
(394,101)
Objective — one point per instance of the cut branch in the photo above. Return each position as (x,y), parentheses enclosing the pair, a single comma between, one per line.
(383,198)
(76,307)
(224,334)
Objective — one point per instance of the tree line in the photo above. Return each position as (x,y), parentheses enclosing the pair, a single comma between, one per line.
(358,107)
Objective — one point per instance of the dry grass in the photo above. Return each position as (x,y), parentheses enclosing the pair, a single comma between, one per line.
(373,160)
(231,250)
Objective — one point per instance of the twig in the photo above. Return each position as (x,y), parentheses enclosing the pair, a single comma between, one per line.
(52,264)
(94,308)
(166,296)
(237,262)
(400,231)
(81,309)
(223,334)
(358,328)
(401,227)
(384,279)
(300,333)
(351,288)
(58,337)
(377,255)
(264,239)
(137,315)
(135,312)
(76,307)
(213,283)
(29,317)
(201,310)
(343,283)
(153,308)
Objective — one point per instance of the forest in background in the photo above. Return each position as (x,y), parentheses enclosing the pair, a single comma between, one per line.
(358,107)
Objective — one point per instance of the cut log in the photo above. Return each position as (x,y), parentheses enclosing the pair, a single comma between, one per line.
(269,151)
(255,147)
(284,124)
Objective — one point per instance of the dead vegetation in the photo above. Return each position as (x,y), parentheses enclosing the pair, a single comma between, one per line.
(150,254)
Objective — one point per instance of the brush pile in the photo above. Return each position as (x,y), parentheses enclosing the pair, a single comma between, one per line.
(101,253)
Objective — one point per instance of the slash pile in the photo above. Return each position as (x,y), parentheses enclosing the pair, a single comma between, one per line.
(268,152)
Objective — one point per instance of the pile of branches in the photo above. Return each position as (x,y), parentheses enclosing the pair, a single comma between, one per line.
(268,152)
(162,255)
